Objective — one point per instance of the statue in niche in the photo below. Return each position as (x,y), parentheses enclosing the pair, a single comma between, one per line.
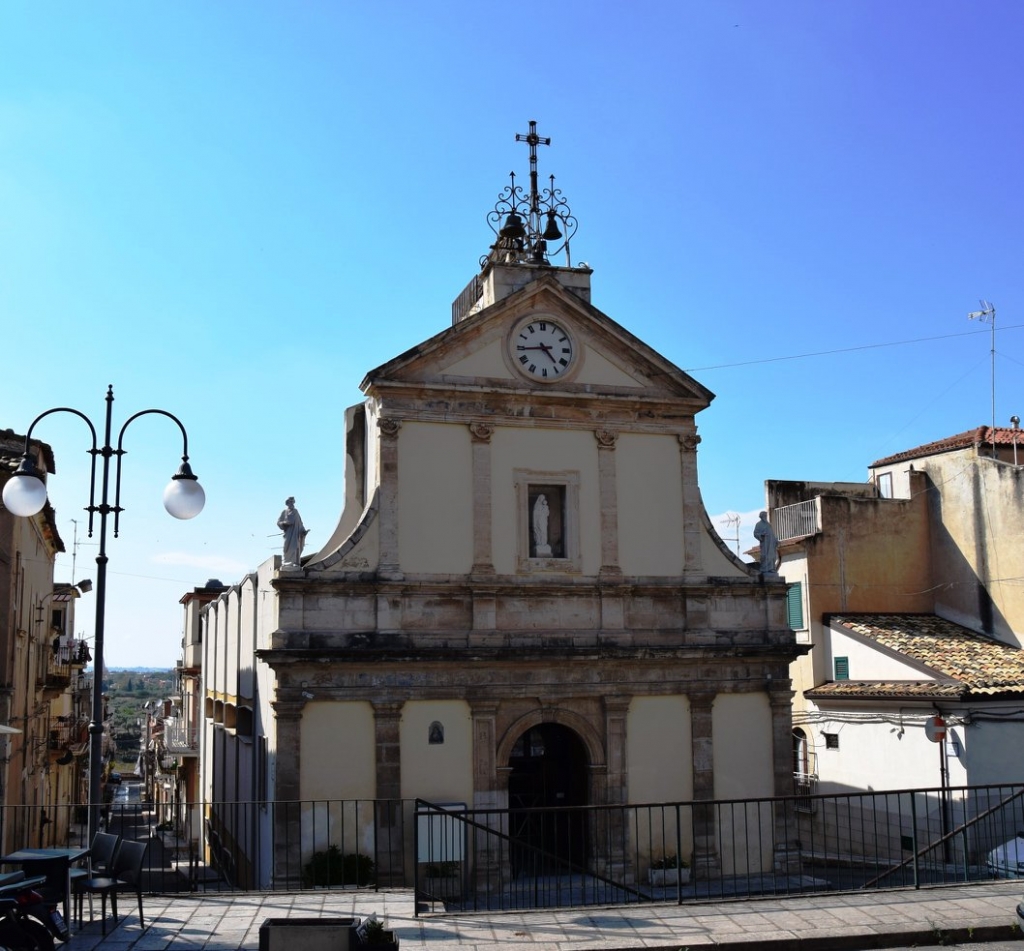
(290,523)
(541,514)
(766,538)
(436,734)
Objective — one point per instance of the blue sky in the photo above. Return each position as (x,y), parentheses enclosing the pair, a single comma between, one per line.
(232,211)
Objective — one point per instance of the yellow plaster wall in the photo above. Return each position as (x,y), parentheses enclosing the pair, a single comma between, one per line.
(338,760)
(543,450)
(600,371)
(442,772)
(659,763)
(659,757)
(650,502)
(741,735)
(487,362)
(435,498)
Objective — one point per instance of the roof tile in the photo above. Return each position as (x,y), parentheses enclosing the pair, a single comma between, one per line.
(974,664)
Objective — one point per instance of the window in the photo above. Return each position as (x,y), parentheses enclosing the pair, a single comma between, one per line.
(885,485)
(842,668)
(831,741)
(795,606)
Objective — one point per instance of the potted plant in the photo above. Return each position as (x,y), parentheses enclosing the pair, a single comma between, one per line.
(669,869)
(373,933)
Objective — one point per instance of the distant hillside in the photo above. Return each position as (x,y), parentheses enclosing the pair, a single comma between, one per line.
(141,670)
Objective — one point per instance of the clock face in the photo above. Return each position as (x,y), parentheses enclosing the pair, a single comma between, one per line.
(542,349)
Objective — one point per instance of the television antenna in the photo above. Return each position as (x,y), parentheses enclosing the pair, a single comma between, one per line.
(987,315)
(733,520)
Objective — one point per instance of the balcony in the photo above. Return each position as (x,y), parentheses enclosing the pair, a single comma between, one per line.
(180,738)
(68,733)
(796,521)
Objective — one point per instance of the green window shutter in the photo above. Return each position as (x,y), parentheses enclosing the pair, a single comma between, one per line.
(795,606)
(842,668)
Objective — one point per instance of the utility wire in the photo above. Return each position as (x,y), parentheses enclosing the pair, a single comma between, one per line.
(826,353)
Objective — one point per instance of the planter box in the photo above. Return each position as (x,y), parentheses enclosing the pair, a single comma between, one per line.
(668,876)
(390,943)
(309,934)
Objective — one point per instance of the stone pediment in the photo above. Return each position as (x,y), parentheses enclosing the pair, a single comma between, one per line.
(480,352)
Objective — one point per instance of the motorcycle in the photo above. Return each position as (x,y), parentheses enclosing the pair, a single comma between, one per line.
(31,919)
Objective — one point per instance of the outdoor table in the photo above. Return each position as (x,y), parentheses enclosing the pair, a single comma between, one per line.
(34,861)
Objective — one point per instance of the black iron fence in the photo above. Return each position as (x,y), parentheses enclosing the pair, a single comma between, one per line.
(457,858)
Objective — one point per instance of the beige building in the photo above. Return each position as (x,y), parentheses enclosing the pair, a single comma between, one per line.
(41,674)
(908,589)
(523,602)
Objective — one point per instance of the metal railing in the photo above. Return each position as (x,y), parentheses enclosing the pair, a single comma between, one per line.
(793,521)
(467,299)
(180,737)
(459,859)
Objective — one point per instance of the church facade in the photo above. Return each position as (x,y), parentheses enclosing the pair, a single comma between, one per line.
(524,602)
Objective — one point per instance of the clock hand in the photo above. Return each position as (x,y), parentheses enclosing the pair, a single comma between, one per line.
(547,349)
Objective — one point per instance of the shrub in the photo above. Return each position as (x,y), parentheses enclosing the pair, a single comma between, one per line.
(442,870)
(330,867)
(669,861)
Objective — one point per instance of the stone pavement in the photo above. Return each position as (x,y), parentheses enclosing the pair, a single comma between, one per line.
(844,920)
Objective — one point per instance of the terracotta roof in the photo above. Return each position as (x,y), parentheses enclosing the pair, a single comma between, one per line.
(971,664)
(12,446)
(886,689)
(980,436)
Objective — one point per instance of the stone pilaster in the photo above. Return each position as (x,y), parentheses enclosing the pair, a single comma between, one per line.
(388,568)
(485,746)
(483,558)
(693,558)
(610,836)
(490,791)
(609,499)
(288,822)
(387,721)
(706,861)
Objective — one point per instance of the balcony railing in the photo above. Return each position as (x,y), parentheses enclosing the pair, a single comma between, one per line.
(68,732)
(180,738)
(794,521)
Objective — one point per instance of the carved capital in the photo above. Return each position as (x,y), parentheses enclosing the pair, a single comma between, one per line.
(388,425)
(605,438)
(288,709)
(689,441)
(386,710)
(481,431)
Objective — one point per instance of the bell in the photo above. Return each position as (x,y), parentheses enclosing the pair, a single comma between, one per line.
(551,232)
(513,227)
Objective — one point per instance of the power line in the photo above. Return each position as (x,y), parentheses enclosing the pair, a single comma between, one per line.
(827,353)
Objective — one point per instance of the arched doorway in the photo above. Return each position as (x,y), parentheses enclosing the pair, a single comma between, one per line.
(548,775)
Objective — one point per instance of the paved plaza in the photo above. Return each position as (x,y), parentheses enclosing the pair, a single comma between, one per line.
(850,920)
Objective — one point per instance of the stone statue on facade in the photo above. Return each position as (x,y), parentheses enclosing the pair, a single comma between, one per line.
(766,538)
(290,523)
(541,513)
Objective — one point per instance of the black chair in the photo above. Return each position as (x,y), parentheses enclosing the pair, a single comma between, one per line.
(125,874)
(100,863)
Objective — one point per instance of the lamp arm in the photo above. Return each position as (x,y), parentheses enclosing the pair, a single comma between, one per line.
(92,452)
(119,452)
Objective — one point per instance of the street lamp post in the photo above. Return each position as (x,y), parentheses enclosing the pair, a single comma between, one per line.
(25,495)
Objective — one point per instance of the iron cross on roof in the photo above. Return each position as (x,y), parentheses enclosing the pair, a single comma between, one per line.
(533,140)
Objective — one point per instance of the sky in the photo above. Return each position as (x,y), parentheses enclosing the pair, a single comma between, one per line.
(233,211)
